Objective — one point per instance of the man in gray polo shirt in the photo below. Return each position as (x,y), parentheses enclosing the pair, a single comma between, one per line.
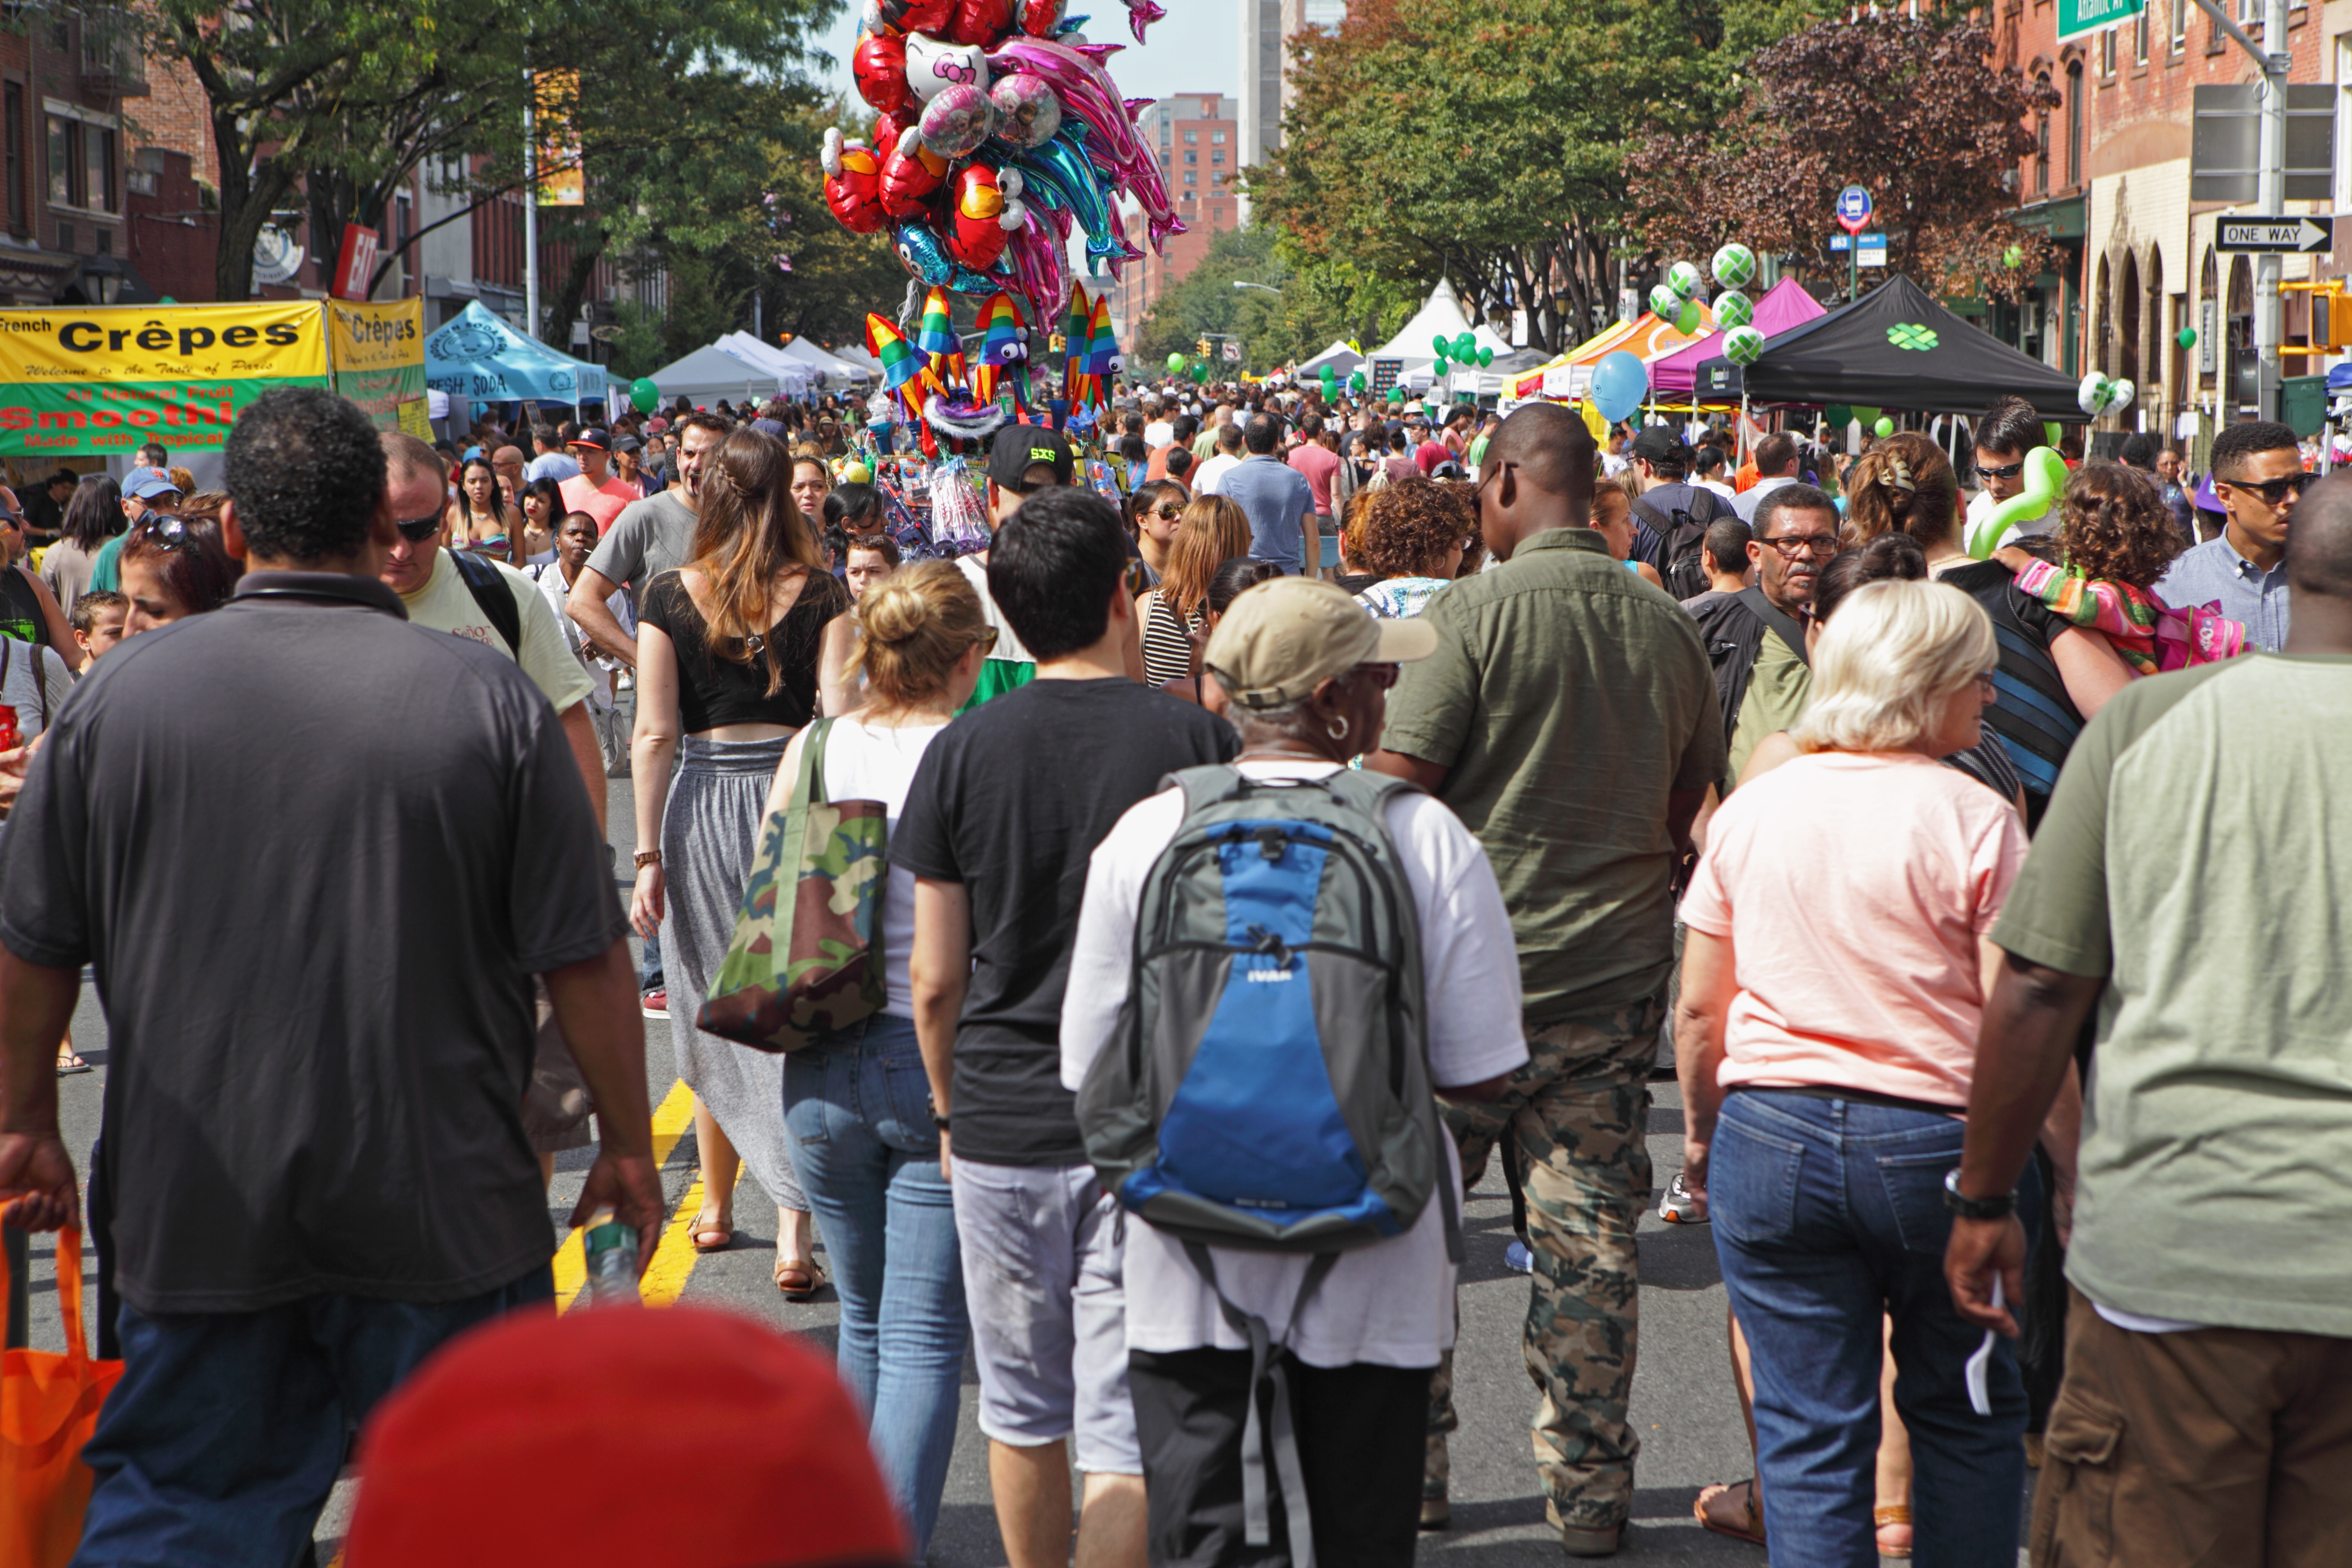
(650,537)
(316,855)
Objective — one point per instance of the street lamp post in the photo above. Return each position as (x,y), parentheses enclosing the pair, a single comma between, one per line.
(1266,288)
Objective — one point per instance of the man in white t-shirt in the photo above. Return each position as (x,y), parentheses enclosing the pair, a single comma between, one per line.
(435,588)
(1207,477)
(1157,430)
(576,537)
(1305,669)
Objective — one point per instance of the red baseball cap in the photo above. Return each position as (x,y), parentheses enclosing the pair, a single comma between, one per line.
(680,1436)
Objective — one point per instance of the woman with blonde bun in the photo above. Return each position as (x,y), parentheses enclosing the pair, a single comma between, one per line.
(857,1108)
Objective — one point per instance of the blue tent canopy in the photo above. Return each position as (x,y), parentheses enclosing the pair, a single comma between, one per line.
(480,359)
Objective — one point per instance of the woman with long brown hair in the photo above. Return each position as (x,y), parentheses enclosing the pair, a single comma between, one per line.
(482,518)
(731,650)
(1213,530)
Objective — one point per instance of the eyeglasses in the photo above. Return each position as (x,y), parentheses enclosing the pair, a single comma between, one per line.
(1793,546)
(1168,513)
(2006,471)
(417,530)
(2273,491)
(986,640)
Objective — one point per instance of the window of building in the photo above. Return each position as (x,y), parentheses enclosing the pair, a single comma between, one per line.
(1191,178)
(61,161)
(12,105)
(1216,157)
(66,237)
(2180,27)
(2247,14)
(1192,138)
(98,168)
(2107,52)
(2042,145)
(2139,36)
(1216,138)
(2075,124)
(1190,159)
(102,242)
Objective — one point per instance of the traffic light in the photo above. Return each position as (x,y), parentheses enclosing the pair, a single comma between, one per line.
(1056,344)
(1202,348)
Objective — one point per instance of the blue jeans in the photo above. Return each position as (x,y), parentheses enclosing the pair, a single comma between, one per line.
(1828,1216)
(858,1110)
(221,1442)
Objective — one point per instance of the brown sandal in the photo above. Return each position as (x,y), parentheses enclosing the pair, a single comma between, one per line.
(1751,1526)
(723,1228)
(1891,1513)
(807,1280)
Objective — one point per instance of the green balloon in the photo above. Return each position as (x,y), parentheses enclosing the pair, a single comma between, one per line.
(1356,381)
(2013,257)
(1485,358)
(1175,364)
(2186,337)
(1441,346)
(644,395)
(1884,428)
(1465,347)
(1687,319)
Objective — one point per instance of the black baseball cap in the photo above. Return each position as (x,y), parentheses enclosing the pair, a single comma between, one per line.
(1656,443)
(593,437)
(1017,448)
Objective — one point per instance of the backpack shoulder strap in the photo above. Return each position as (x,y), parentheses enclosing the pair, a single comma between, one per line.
(1780,620)
(1367,791)
(491,594)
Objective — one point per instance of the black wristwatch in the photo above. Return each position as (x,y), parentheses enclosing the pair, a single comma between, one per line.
(1967,1208)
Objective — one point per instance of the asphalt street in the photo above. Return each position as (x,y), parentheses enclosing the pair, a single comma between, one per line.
(1683,1407)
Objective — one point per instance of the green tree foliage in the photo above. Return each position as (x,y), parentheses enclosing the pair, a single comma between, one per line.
(1935,139)
(1317,301)
(1486,144)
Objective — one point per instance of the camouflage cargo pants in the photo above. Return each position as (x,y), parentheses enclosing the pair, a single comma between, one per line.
(1576,1116)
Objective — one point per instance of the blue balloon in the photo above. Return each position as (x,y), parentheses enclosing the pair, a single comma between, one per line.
(920,251)
(1619,383)
(1058,174)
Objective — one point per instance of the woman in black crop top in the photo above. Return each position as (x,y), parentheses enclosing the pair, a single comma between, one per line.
(735,652)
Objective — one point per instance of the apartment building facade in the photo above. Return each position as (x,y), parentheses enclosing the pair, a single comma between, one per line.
(64,85)
(1197,139)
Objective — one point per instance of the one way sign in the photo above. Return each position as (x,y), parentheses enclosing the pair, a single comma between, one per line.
(2307,234)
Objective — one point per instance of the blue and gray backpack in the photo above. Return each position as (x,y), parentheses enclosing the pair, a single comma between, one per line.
(1268,1084)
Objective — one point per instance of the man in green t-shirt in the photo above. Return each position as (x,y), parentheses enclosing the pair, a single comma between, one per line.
(1570,719)
(2191,878)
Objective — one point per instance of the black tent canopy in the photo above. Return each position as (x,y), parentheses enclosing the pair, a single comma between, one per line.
(1895,347)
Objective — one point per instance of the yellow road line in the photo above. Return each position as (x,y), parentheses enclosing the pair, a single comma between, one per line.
(671,1119)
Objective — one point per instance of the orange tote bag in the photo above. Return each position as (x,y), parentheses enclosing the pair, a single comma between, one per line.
(49,1407)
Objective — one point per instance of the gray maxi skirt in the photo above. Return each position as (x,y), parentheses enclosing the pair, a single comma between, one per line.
(709,833)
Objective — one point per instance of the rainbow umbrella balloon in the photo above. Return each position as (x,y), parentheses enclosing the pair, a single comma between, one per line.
(900,363)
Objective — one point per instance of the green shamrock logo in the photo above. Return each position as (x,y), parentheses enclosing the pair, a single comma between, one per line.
(1911,335)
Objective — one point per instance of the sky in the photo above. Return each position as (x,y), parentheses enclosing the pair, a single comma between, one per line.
(1195,48)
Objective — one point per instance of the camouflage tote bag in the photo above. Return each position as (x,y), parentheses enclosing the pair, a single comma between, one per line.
(807,952)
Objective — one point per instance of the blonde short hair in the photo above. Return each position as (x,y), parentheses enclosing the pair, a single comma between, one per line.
(1895,650)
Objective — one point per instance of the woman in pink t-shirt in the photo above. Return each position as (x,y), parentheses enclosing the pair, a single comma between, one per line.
(1832,986)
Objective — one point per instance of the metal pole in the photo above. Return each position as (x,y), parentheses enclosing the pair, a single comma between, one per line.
(531,205)
(2270,198)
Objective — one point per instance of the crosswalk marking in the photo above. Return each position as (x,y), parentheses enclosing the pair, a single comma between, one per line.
(671,1119)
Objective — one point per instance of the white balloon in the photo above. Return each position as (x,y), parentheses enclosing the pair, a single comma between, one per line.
(2120,393)
(934,65)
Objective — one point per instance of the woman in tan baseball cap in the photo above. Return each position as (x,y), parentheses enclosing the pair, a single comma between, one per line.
(1307,669)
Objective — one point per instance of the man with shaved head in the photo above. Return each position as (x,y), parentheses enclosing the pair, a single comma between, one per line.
(2190,878)
(1570,719)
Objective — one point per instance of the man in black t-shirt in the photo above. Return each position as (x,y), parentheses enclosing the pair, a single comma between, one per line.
(1005,808)
(318,979)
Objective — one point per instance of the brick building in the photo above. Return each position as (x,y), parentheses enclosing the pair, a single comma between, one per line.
(1197,136)
(2108,181)
(64,83)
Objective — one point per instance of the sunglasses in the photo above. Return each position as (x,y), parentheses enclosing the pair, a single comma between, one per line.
(2273,491)
(171,533)
(2006,471)
(1169,512)
(417,530)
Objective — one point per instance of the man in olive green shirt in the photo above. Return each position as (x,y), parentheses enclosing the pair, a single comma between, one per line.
(2191,877)
(1570,719)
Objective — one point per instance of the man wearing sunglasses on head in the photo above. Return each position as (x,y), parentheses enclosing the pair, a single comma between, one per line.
(2010,429)
(2258,474)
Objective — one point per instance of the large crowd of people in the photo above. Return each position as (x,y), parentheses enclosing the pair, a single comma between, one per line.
(1982,905)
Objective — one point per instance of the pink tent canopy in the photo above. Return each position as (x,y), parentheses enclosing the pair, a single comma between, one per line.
(1783,306)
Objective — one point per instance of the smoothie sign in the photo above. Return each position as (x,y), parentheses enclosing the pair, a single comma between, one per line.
(85,381)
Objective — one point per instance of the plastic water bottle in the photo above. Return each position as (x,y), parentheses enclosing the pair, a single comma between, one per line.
(612,1249)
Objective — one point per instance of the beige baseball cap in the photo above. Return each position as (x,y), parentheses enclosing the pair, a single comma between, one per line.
(1281,640)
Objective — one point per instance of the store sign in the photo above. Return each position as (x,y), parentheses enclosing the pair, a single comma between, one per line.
(379,356)
(85,381)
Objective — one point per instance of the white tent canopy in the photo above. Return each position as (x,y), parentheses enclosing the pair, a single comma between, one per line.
(1338,356)
(838,371)
(712,373)
(1439,317)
